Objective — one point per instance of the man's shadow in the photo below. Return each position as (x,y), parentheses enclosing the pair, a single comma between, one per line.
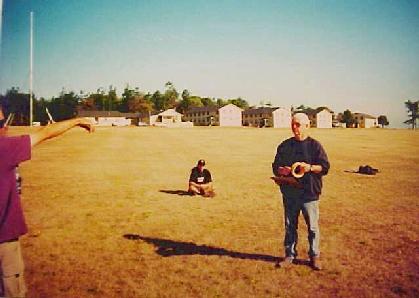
(176,192)
(168,248)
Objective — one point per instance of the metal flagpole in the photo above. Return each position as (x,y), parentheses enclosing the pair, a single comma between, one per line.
(31,73)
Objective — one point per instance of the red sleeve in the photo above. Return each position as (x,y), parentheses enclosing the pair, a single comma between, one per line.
(14,150)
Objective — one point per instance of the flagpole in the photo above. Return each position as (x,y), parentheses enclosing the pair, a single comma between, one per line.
(31,73)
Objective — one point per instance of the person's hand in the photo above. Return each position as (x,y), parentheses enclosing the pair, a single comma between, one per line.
(305,167)
(284,171)
(87,124)
(3,131)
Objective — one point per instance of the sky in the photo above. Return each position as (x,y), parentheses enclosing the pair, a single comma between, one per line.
(356,55)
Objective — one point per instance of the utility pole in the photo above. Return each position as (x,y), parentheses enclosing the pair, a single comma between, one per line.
(31,72)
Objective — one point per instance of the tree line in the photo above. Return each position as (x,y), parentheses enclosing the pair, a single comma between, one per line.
(133,100)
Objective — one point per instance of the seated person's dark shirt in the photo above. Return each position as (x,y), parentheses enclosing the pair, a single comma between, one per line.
(200,178)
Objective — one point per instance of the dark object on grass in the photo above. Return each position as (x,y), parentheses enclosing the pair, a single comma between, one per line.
(367,170)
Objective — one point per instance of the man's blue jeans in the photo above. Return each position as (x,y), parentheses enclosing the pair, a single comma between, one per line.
(292,208)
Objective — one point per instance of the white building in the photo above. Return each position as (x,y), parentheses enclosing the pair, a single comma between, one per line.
(169,118)
(111,118)
(230,115)
(324,119)
(281,118)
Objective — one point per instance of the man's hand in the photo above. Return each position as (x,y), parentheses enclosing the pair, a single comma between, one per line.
(305,167)
(87,124)
(284,171)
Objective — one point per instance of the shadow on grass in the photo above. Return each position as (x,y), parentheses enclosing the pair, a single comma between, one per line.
(176,192)
(168,248)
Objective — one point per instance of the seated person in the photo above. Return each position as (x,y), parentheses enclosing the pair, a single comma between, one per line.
(200,181)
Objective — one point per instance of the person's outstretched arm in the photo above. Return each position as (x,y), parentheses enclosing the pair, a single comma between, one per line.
(55,129)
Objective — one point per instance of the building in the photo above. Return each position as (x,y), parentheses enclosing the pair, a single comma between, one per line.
(202,116)
(363,120)
(321,117)
(229,115)
(267,117)
(259,117)
(112,118)
(281,118)
(324,119)
(169,118)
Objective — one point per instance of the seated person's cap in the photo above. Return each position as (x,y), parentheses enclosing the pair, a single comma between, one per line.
(201,162)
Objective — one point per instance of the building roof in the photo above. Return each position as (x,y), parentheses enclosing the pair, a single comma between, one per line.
(170,112)
(202,109)
(319,109)
(82,113)
(263,110)
(365,115)
(231,104)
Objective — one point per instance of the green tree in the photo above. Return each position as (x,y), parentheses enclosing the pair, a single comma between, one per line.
(88,104)
(40,113)
(186,94)
(348,118)
(188,102)
(303,109)
(158,101)
(170,96)
(208,102)
(413,112)
(64,106)
(127,95)
(221,102)
(95,101)
(382,120)
(139,103)
(241,103)
(17,103)
(112,99)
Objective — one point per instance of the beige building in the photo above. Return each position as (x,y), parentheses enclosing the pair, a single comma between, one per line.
(259,117)
(364,120)
(229,115)
(202,116)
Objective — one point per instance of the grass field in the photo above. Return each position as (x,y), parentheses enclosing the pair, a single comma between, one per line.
(84,192)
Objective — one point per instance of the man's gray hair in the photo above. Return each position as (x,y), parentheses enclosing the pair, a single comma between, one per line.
(302,118)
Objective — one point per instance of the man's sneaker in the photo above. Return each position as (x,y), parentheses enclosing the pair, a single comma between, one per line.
(287,262)
(315,263)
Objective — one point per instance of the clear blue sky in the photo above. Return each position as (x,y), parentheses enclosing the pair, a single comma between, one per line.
(361,55)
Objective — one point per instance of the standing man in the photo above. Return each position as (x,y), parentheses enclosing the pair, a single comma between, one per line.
(14,150)
(314,164)
(200,181)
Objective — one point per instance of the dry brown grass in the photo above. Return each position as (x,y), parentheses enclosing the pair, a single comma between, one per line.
(84,192)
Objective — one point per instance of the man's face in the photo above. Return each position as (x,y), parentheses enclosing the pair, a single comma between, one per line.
(200,167)
(299,129)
